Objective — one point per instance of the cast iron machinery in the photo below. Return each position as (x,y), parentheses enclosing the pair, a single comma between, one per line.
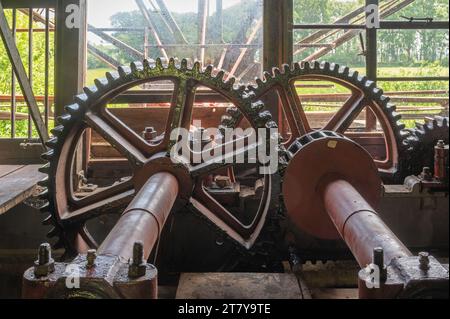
(328,186)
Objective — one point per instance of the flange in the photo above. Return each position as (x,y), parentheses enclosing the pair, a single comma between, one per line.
(315,160)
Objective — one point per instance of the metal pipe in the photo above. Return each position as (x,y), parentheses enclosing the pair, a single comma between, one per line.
(144,218)
(359,224)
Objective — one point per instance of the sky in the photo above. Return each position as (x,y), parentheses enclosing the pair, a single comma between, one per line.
(100,11)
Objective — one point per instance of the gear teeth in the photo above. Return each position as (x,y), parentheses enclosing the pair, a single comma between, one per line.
(196,67)
(230,83)
(172,64)
(259,83)
(241,89)
(208,70)
(219,76)
(227,121)
(159,65)
(370,85)
(256,107)
(377,92)
(72,108)
(53,233)
(344,71)
(124,71)
(112,77)
(137,67)
(334,67)
(391,107)
(57,131)
(51,143)
(48,156)
(307,66)
(48,221)
(271,125)
(233,111)
(325,66)
(44,194)
(101,84)
(276,72)
(90,91)
(286,68)
(267,76)
(184,65)
(64,119)
(45,169)
(81,99)
(45,208)
(44,183)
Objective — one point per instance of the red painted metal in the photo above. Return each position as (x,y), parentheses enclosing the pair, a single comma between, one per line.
(359,224)
(144,218)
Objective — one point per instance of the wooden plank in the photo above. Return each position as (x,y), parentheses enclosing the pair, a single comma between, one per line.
(332,293)
(238,286)
(18,186)
(20,152)
(8,169)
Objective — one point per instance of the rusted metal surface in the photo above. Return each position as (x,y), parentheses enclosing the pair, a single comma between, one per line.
(344,196)
(363,95)
(144,218)
(107,279)
(314,159)
(408,278)
(359,224)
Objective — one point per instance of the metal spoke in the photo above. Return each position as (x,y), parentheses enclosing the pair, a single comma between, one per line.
(97,208)
(301,124)
(344,118)
(123,145)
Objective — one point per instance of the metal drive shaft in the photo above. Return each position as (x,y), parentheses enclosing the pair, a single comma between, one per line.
(144,218)
(359,224)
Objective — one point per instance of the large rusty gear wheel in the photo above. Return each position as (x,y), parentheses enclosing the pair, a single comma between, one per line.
(364,93)
(69,216)
(422,142)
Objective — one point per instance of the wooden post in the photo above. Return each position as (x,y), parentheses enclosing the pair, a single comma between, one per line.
(371,65)
(70,56)
(278,42)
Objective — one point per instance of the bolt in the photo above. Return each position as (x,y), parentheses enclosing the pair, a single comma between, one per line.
(424,260)
(223,181)
(378,260)
(426,174)
(440,144)
(45,263)
(44,254)
(137,267)
(138,253)
(149,134)
(91,257)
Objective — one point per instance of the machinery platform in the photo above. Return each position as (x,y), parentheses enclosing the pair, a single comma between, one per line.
(17,183)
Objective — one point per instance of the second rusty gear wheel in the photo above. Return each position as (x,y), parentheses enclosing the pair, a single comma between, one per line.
(422,143)
(364,94)
(70,214)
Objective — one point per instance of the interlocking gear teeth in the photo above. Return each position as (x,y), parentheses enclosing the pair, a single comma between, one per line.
(114,80)
(343,73)
(421,143)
